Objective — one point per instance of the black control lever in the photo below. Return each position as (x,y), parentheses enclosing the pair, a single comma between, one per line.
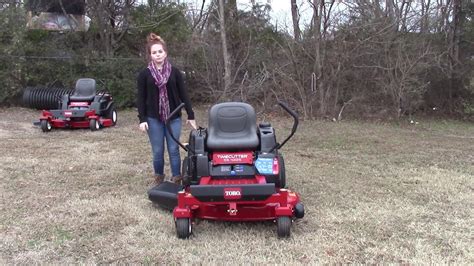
(168,127)
(293,130)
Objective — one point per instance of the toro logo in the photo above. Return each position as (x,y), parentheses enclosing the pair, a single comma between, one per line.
(232,193)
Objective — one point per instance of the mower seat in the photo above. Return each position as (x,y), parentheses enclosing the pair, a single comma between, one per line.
(85,90)
(232,126)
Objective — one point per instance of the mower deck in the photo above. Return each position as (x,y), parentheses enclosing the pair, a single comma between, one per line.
(74,119)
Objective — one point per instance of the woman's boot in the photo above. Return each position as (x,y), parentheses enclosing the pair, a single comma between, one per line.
(159,179)
(177,179)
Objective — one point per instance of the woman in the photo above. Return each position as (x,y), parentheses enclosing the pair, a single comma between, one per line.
(160,90)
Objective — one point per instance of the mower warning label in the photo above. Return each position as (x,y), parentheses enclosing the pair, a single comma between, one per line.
(264,166)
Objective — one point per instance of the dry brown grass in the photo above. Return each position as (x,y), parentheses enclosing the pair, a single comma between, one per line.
(374,193)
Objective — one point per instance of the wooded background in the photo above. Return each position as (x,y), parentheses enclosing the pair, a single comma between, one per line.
(358,59)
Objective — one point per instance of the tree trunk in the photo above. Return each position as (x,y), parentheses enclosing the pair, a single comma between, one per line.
(454,42)
(317,11)
(425,12)
(230,13)
(225,53)
(296,20)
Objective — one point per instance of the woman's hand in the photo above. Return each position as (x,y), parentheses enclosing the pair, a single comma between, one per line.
(143,126)
(192,123)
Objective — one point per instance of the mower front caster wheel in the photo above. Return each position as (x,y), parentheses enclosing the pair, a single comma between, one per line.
(94,124)
(283,226)
(183,227)
(46,126)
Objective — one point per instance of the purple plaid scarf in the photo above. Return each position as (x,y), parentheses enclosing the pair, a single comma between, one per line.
(161,78)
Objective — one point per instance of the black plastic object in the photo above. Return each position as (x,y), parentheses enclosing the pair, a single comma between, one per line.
(169,128)
(267,137)
(232,127)
(165,195)
(293,130)
(299,210)
(85,90)
(44,97)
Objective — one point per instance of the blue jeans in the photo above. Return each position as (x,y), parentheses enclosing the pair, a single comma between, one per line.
(157,133)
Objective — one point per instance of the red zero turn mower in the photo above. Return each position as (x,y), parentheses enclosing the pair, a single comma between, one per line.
(83,109)
(233,171)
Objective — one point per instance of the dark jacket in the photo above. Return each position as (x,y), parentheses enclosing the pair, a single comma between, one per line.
(147,97)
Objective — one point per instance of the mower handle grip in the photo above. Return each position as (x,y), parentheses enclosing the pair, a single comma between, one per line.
(168,127)
(293,130)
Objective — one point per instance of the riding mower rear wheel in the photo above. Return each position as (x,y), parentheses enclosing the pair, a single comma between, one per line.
(112,114)
(282,174)
(183,227)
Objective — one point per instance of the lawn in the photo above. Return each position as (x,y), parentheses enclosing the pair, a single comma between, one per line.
(373,192)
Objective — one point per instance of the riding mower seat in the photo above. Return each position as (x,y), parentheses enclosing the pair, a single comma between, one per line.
(85,90)
(232,126)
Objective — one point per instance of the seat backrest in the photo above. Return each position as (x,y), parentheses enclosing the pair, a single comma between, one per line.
(232,127)
(85,87)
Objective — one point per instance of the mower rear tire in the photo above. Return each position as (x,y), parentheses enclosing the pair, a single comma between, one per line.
(112,114)
(282,173)
(283,226)
(183,227)
(46,126)
(94,124)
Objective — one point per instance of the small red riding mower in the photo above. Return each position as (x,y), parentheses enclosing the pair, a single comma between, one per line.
(84,108)
(233,171)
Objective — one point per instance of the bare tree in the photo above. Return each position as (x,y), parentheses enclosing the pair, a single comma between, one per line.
(296,20)
(200,18)
(111,18)
(320,24)
(402,75)
(454,41)
(225,52)
(425,15)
